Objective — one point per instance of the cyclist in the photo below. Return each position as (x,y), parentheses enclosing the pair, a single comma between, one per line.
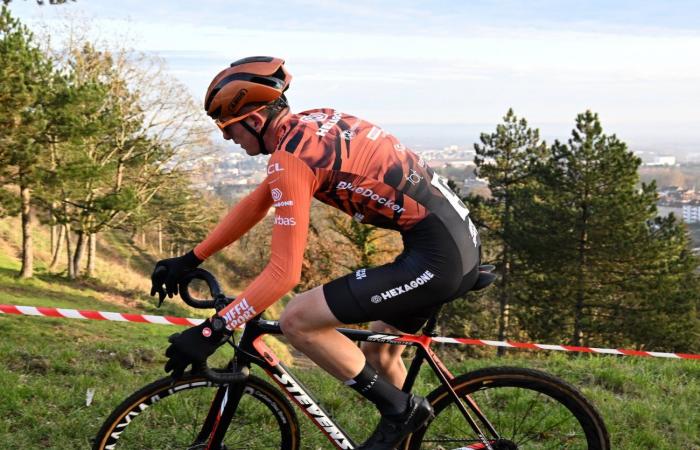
(359,168)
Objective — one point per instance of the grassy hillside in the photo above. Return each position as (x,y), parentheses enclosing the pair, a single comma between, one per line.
(47,366)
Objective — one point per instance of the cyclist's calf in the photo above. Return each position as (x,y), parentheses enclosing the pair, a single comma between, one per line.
(386,358)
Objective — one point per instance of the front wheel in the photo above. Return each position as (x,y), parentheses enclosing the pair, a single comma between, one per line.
(528,409)
(172,415)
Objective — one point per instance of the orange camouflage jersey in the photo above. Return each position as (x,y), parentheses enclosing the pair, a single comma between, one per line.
(350,164)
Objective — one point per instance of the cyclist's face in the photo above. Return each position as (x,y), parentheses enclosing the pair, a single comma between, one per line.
(238,134)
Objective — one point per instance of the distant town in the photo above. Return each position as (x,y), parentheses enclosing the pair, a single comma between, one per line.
(236,173)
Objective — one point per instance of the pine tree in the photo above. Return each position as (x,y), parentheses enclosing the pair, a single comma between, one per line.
(24,82)
(599,258)
(506,158)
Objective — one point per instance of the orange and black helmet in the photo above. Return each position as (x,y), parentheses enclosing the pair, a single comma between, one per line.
(257,80)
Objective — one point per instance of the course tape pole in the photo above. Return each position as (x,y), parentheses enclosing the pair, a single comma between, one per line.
(170,320)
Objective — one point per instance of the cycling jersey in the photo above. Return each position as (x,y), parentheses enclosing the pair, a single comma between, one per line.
(352,165)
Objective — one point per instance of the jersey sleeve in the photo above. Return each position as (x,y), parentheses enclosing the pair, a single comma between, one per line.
(291,186)
(239,219)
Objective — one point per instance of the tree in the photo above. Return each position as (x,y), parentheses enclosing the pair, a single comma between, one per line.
(132,140)
(596,252)
(506,158)
(25,75)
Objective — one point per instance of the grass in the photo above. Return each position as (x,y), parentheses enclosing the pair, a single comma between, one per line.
(47,366)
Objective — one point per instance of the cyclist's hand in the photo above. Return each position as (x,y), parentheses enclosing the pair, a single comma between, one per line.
(193,346)
(169,271)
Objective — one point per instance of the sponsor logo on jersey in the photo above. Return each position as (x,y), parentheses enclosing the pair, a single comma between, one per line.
(285,221)
(284,203)
(239,314)
(414,178)
(206,332)
(348,134)
(399,147)
(420,280)
(366,192)
(276,194)
(374,133)
(313,117)
(272,168)
(360,274)
(325,128)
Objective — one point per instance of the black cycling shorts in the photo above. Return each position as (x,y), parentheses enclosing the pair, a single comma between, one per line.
(406,292)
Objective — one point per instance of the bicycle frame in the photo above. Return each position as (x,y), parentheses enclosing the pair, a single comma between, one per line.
(252,350)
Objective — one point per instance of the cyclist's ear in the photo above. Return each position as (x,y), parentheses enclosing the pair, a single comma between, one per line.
(255,120)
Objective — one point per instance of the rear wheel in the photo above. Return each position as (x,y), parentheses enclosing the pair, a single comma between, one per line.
(529,410)
(170,415)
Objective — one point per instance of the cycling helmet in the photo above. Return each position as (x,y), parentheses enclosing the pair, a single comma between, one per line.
(256,80)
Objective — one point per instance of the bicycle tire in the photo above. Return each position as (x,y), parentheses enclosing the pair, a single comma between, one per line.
(498,392)
(169,415)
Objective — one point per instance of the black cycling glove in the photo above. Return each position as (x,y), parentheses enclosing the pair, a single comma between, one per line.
(194,346)
(169,272)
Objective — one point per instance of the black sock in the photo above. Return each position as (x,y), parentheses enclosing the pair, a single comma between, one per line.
(389,399)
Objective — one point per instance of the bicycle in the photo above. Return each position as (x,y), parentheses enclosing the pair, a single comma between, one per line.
(497,408)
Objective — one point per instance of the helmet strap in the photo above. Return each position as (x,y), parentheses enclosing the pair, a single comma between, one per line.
(258,136)
(268,121)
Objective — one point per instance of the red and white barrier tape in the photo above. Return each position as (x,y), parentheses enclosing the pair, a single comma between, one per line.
(169,320)
(565,348)
(97,315)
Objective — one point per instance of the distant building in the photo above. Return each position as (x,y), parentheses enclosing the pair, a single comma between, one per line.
(691,213)
(663,161)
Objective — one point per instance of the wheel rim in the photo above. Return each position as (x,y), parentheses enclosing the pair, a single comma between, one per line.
(172,419)
(524,419)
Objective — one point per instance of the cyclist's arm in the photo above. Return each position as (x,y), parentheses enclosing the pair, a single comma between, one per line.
(239,219)
(292,184)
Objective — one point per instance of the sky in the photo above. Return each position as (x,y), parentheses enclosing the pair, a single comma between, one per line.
(438,71)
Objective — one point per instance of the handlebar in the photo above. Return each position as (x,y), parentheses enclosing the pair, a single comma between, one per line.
(218,300)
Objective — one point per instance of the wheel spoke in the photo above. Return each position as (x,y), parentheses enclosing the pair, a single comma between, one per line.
(539,412)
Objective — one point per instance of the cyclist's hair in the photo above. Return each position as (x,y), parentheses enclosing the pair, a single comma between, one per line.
(277,106)
(271,109)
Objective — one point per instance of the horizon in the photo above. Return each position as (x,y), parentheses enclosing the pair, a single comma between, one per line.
(410,66)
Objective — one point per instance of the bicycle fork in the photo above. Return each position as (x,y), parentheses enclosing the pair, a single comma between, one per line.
(221,412)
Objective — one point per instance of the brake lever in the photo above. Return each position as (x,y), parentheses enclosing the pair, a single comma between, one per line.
(161,299)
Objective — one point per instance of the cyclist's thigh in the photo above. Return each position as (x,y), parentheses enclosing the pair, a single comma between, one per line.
(310,310)
(403,288)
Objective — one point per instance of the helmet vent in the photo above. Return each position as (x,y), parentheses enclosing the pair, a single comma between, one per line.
(252,59)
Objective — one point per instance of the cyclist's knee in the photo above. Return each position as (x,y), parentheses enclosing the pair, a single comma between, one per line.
(306,313)
(292,320)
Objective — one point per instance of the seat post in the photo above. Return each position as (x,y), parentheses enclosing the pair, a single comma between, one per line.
(429,328)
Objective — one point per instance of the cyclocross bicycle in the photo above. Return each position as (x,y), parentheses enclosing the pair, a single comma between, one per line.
(498,408)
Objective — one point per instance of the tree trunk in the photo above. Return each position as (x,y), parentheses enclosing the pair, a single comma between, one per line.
(52,227)
(27,270)
(504,313)
(92,255)
(581,281)
(58,247)
(160,238)
(71,267)
(504,296)
(79,251)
